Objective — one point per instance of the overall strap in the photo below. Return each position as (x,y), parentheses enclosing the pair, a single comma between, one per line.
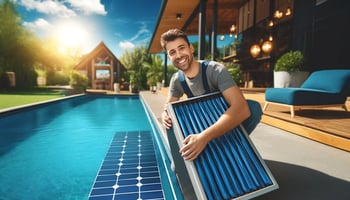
(204,76)
(184,84)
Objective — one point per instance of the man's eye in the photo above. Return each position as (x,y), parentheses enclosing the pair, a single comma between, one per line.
(171,53)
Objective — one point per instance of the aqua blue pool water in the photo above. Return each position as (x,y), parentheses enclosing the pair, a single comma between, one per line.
(54,152)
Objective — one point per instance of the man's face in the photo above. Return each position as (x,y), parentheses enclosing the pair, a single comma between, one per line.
(180,53)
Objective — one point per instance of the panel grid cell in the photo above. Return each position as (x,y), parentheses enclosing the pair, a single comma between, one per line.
(129,170)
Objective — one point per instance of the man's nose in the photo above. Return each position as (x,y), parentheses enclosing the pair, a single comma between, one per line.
(177,54)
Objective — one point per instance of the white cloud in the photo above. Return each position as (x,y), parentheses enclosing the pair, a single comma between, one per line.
(139,34)
(126,45)
(48,7)
(142,32)
(54,7)
(39,24)
(141,37)
(88,7)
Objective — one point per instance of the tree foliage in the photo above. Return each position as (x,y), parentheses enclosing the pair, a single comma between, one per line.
(235,71)
(19,48)
(79,81)
(154,70)
(171,71)
(133,61)
(23,53)
(57,65)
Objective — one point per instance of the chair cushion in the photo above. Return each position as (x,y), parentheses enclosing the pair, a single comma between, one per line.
(332,80)
(303,96)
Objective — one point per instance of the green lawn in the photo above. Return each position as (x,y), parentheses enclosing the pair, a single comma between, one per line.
(17,98)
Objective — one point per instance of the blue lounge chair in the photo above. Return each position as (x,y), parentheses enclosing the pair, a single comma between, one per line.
(324,88)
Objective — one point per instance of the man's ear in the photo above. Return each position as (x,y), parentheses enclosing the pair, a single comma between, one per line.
(192,48)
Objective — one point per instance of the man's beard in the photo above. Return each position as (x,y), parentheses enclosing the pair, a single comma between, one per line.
(188,61)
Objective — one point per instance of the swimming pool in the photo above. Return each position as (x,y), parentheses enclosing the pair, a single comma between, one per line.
(54,151)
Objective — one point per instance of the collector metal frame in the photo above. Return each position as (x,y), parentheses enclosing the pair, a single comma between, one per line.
(191,167)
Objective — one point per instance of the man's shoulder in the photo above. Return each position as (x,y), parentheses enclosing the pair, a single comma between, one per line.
(212,63)
(214,66)
(175,77)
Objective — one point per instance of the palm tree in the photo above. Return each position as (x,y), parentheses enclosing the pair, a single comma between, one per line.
(133,61)
(154,70)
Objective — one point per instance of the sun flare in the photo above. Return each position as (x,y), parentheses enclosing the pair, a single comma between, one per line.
(71,37)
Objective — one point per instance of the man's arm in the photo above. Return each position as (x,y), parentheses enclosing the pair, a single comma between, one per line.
(237,112)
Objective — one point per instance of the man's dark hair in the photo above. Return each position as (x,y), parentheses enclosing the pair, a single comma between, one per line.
(171,35)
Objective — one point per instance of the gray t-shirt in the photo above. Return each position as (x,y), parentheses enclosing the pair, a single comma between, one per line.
(219,79)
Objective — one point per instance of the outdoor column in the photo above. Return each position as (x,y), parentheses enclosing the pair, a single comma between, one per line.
(165,70)
(93,74)
(214,31)
(111,78)
(201,29)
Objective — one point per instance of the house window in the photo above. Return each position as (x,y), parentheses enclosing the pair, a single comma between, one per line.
(103,74)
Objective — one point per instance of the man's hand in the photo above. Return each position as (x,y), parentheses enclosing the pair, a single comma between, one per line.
(194,145)
(166,120)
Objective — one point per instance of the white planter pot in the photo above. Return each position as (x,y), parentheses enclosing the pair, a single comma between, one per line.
(116,87)
(289,79)
(159,85)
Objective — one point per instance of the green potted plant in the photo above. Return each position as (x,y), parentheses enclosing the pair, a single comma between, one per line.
(235,71)
(288,70)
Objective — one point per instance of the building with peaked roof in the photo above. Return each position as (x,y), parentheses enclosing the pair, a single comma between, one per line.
(102,68)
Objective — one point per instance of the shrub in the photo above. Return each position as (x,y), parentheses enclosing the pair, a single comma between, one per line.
(291,61)
(79,81)
(4,82)
(235,71)
(58,78)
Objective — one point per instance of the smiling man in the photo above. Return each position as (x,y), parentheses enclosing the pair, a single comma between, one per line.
(197,78)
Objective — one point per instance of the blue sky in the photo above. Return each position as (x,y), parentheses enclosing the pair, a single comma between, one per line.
(83,24)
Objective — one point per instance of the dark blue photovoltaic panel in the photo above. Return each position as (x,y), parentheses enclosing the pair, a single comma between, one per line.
(229,167)
(129,170)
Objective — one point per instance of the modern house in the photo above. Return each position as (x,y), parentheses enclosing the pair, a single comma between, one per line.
(102,68)
(264,30)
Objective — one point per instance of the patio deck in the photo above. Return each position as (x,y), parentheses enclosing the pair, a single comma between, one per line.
(303,168)
(329,125)
(326,125)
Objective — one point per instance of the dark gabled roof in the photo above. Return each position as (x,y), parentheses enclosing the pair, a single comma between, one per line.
(100,47)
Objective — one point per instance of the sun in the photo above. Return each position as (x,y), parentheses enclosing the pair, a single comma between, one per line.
(71,37)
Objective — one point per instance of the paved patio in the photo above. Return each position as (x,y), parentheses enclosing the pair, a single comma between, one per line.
(304,169)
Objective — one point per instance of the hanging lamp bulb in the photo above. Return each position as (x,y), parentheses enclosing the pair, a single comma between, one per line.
(255,50)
